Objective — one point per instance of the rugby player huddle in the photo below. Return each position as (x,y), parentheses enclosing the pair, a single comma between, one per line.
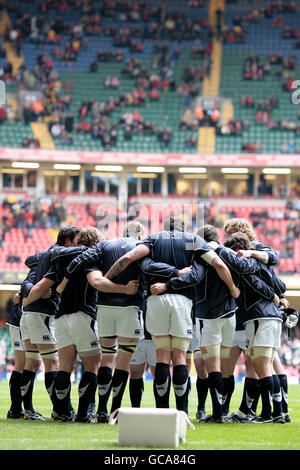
(125,304)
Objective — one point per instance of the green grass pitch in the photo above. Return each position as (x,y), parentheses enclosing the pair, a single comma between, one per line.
(50,435)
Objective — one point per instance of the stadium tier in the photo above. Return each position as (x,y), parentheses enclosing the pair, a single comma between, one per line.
(34,227)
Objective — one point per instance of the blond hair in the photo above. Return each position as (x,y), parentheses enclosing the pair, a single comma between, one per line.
(89,236)
(240,225)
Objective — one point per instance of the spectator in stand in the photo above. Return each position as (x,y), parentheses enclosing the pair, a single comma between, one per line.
(115,82)
(30,142)
(69,123)
(83,126)
(291,146)
(2,114)
(165,136)
(191,141)
(94,66)
(247,147)
(154,94)
(8,72)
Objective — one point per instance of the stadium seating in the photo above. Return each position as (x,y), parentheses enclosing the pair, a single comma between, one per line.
(15,243)
(166,112)
(262,36)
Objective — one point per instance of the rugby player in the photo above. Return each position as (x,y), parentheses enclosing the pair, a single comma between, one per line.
(142,358)
(119,316)
(262,320)
(218,313)
(37,327)
(76,328)
(168,316)
(153,271)
(13,322)
(270,258)
(216,309)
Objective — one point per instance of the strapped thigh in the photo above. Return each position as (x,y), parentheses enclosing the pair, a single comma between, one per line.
(180,343)
(162,342)
(127,347)
(49,354)
(33,354)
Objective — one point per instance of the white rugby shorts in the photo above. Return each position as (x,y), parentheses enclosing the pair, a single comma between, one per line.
(120,321)
(38,328)
(218,331)
(16,338)
(239,340)
(197,334)
(78,329)
(263,332)
(169,314)
(144,353)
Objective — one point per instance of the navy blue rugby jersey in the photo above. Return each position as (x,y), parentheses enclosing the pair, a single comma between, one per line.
(78,295)
(111,251)
(179,250)
(43,263)
(215,299)
(15,313)
(256,298)
(101,257)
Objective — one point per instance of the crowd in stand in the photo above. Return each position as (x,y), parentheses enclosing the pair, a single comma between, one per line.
(147,21)
(290,352)
(29,214)
(154,82)
(254,69)
(31,143)
(40,31)
(233,127)
(236,31)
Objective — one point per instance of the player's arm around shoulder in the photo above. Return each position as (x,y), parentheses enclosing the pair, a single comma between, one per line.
(140,251)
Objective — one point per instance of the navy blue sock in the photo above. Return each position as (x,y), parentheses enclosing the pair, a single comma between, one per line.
(284,391)
(119,383)
(15,391)
(277,397)
(136,390)
(104,388)
(50,378)
(27,384)
(86,391)
(250,395)
(63,392)
(266,391)
(216,391)
(180,385)
(162,385)
(228,383)
(202,391)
